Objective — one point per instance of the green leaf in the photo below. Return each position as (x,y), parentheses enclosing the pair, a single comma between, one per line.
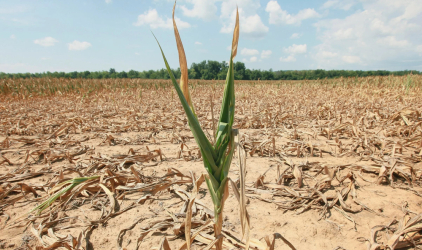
(220,194)
(228,158)
(201,139)
(228,103)
(73,183)
(213,194)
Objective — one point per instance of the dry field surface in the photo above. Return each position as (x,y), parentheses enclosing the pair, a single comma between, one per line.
(331,164)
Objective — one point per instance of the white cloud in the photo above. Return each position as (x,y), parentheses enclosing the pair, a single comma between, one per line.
(108,1)
(391,41)
(344,34)
(137,54)
(337,4)
(290,58)
(198,43)
(419,49)
(254,26)
(253,53)
(12,36)
(329,4)
(154,21)
(327,54)
(248,7)
(295,36)
(351,59)
(46,41)
(76,45)
(280,16)
(382,34)
(266,54)
(379,26)
(44,58)
(296,49)
(250,25)
(204,9)
(251,60)
(249,52)
(293,50)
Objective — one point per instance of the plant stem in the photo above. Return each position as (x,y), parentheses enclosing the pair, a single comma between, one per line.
(218,226)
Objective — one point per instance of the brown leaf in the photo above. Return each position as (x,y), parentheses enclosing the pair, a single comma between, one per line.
(271,245)
(235,36)
(298,175)
(188,225)
(55,246)
(184,86)
(28,189)
(241,196)
(164,244)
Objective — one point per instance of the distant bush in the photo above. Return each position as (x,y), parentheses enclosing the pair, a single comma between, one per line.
(208,70)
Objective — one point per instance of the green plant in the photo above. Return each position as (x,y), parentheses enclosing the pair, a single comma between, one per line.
(65,191)
(217,158)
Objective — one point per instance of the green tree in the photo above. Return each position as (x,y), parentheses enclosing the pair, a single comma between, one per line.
(239,70)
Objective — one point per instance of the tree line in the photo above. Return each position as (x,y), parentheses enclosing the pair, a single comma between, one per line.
(208,70)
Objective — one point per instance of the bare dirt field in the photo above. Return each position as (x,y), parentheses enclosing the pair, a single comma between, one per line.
(331,164)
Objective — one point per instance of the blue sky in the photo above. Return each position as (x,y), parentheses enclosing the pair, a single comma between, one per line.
(38,36)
